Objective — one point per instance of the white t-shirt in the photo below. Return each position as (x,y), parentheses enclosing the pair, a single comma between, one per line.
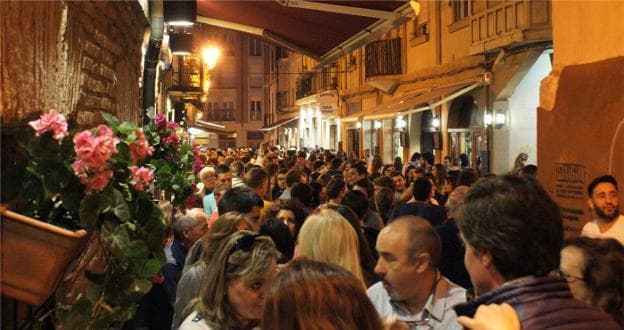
(616,231)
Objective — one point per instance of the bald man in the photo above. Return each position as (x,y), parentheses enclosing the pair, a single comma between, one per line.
(412,288)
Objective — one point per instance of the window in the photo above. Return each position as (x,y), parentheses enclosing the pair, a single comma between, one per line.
(255,47)
(255,80)
(281,52)
(281,101)
(255,112)
(228,111)
(460,9)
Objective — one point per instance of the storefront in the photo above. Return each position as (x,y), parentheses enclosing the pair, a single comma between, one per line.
(319,122)
(284,132)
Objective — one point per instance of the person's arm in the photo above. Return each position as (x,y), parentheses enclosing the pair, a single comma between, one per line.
(406,195)
(492,317)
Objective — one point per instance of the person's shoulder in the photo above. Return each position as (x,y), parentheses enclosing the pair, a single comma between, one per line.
(376,290)
(590,228)
(194,322)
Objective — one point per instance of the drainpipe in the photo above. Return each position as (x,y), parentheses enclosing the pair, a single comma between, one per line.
(157,26)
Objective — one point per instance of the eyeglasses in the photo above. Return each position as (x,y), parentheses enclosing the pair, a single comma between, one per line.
(565,276)
(244,243)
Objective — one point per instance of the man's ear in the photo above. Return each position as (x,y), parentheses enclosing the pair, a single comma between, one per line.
(590,203)
(423,261)
(486,258)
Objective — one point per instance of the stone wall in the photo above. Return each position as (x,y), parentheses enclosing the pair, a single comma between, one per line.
(80,57)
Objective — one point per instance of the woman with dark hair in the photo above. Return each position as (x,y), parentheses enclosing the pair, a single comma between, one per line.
(387,170)
(317,190)
(397,163)
(376,165)
(292,215)
(236,278)
(384,203)
(279,233)
(439,176)
(311,295)
(594,269)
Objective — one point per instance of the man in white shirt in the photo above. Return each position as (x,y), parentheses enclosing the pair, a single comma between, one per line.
(603,199)
(412,289)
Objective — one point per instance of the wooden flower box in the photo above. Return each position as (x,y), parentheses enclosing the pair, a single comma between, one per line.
(35,256)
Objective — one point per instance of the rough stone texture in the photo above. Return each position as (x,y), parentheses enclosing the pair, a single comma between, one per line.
(80,57)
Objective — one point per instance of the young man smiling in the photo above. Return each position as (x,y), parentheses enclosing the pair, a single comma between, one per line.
(603,199)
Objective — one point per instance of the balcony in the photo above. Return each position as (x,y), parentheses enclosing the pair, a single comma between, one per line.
(219,115)
(317,82)
(509,24)
(383,58)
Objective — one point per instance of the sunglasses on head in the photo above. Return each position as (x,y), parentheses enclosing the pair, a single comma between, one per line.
(244,243)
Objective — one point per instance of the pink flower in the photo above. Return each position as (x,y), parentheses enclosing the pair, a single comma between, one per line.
(97,182)
(51,121)
(173,138)
(160,120)
(172,125)
(80,168)
(141,177)
(95,151)
(140,148)
(94,181)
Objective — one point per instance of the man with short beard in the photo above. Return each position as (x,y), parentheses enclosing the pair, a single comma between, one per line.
(603,199)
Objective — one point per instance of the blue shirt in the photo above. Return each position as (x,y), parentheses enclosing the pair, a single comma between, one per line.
(210,204)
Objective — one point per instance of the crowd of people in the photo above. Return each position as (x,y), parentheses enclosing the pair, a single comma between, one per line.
(322,240)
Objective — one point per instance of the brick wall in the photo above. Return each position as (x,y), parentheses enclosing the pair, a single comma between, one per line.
(81,57)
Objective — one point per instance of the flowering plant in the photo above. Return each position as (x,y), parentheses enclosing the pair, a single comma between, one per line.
(175,161)
(96,180)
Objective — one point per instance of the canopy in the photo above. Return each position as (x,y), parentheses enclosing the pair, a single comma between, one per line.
(317,33)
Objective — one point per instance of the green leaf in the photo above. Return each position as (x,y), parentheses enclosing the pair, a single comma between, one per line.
(116,237)
(123,150)
(93,293)
(109,119)
(71,192)
(79,314)
(137,249)
(149,269)
(139,286)
(90,209)
(126,128)
(120,206)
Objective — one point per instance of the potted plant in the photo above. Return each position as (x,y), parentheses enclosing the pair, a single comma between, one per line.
(97,180)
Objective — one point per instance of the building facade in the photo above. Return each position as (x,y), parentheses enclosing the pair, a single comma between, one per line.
(226,104)
(461,77)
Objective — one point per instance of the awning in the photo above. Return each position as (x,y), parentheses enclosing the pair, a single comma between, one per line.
(410,100)
(321,35)
(212,128)
(279,123)
(208,123)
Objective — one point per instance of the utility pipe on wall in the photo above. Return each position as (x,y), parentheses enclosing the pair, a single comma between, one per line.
(157,26)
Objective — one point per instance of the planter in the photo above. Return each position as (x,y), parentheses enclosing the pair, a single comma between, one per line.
(35,255)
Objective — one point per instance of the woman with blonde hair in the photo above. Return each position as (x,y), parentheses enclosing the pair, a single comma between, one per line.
(328,237)
(199,255)
(236,278)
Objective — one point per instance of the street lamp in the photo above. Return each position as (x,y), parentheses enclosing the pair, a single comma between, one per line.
(210,56)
